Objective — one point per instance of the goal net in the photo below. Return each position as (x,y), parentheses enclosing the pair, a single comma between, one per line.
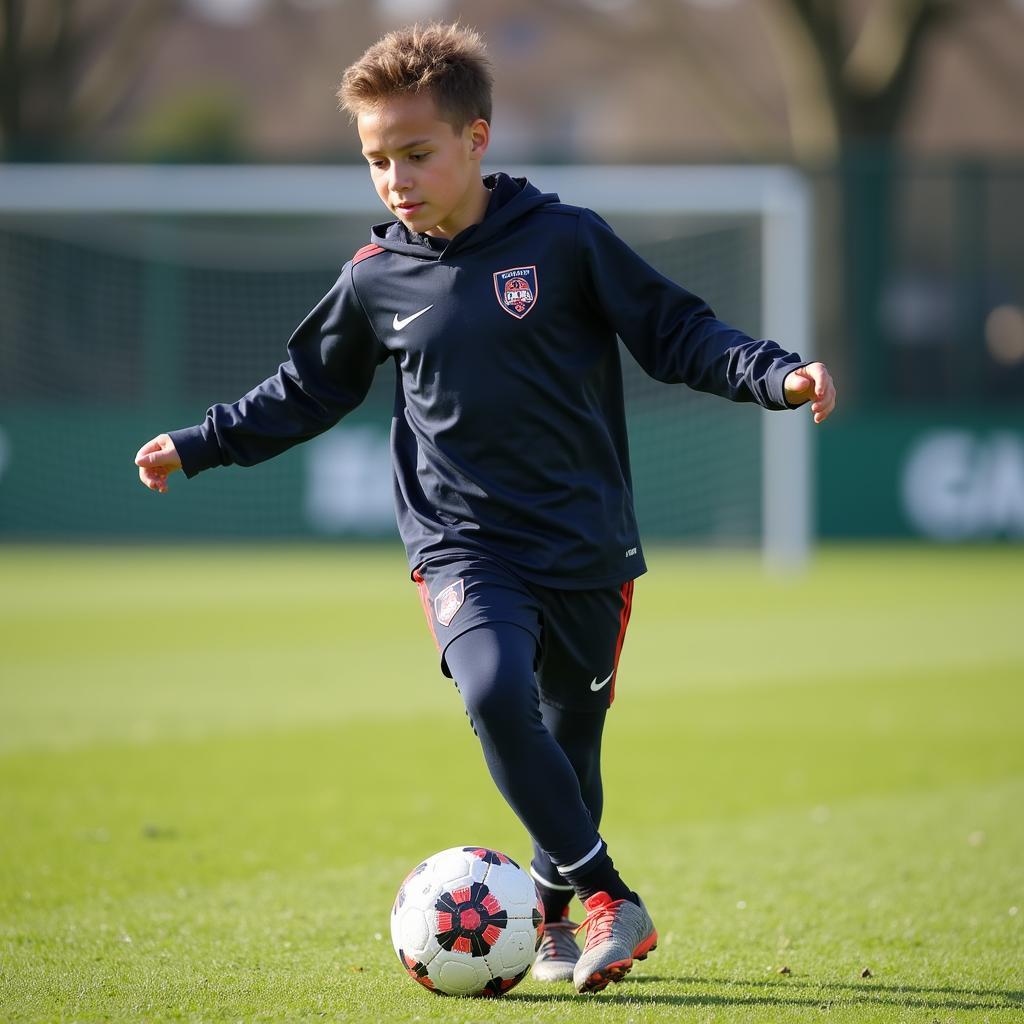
(131,298)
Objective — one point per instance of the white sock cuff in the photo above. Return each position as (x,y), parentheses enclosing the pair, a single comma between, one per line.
(550,885)
(563,869)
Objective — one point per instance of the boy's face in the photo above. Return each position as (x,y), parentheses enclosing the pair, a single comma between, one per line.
(426,172)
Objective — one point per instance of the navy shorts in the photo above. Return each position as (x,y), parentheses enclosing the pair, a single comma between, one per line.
(579,633)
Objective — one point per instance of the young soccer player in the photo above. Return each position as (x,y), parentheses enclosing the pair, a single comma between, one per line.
(499,306)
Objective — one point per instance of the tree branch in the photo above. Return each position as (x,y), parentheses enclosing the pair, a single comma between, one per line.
(10,77)
(737,116)
(882,44)
(813,124)
(105,84)
(887,51)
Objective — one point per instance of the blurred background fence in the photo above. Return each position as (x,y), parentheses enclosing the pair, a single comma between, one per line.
(929,442)
(904,119)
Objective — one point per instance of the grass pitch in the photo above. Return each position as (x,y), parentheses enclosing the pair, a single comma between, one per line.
(216,765)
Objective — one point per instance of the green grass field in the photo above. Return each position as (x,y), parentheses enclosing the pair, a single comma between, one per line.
(217,764)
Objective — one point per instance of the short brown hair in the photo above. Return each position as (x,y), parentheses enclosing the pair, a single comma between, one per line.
(447,60)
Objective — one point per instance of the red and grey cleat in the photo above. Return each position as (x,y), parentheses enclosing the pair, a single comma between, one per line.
(618,932)
(558,953)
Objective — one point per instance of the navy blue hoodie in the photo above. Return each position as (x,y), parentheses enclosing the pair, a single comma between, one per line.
(509,432)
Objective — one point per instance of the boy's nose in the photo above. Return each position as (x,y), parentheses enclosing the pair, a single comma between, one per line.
(399,180)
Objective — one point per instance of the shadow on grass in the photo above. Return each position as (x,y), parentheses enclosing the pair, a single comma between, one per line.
(781,993)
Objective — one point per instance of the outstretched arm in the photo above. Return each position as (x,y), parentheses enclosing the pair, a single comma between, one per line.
(812,383)
(333,356)
(672,333)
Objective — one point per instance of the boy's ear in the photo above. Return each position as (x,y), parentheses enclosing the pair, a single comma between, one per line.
(479,137)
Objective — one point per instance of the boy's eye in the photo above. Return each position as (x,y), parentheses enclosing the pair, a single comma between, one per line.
(417,157)
(379,164)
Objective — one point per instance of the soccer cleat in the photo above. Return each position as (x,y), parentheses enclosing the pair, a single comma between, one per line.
(558,952)
(618,932)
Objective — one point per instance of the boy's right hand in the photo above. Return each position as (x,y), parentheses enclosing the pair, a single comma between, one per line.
(156,460)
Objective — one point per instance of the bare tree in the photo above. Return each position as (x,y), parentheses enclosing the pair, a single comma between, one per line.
(849,71)
(67,65)
(848,67)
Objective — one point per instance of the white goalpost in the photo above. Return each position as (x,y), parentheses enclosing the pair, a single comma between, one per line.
(737,228)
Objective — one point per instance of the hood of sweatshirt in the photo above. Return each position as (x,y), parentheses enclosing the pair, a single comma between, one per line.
(511,198)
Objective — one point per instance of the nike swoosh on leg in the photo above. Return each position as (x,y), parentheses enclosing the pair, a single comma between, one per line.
(595,685)
(399,324)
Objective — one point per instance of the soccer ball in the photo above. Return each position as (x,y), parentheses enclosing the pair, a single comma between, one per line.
(467,922)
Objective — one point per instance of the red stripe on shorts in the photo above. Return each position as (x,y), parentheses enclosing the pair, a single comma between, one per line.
(627,607)
(421,585)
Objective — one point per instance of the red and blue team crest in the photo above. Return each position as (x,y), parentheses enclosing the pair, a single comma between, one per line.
(448,602)
(516,289)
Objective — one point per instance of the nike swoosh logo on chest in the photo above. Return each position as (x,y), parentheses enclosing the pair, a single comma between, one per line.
(398,323)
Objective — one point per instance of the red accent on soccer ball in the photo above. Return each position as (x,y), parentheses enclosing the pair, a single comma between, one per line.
(489,856)
(499,986)
(468,919)
(416,970)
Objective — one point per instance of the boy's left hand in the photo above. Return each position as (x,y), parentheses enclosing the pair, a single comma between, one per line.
(812,381)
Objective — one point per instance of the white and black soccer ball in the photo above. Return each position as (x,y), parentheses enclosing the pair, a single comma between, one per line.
(467,922)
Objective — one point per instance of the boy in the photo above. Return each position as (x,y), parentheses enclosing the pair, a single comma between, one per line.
(500,307)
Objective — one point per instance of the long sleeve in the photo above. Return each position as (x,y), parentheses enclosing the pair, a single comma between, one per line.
(333,355)
(673,334)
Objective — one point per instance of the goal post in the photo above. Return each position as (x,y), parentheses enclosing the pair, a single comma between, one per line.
(166,252)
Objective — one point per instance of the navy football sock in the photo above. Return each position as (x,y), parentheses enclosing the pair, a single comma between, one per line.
(598,874)
(555,896)
(578,733)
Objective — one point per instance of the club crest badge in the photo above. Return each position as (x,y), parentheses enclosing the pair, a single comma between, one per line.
(448,602)
(516,289)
